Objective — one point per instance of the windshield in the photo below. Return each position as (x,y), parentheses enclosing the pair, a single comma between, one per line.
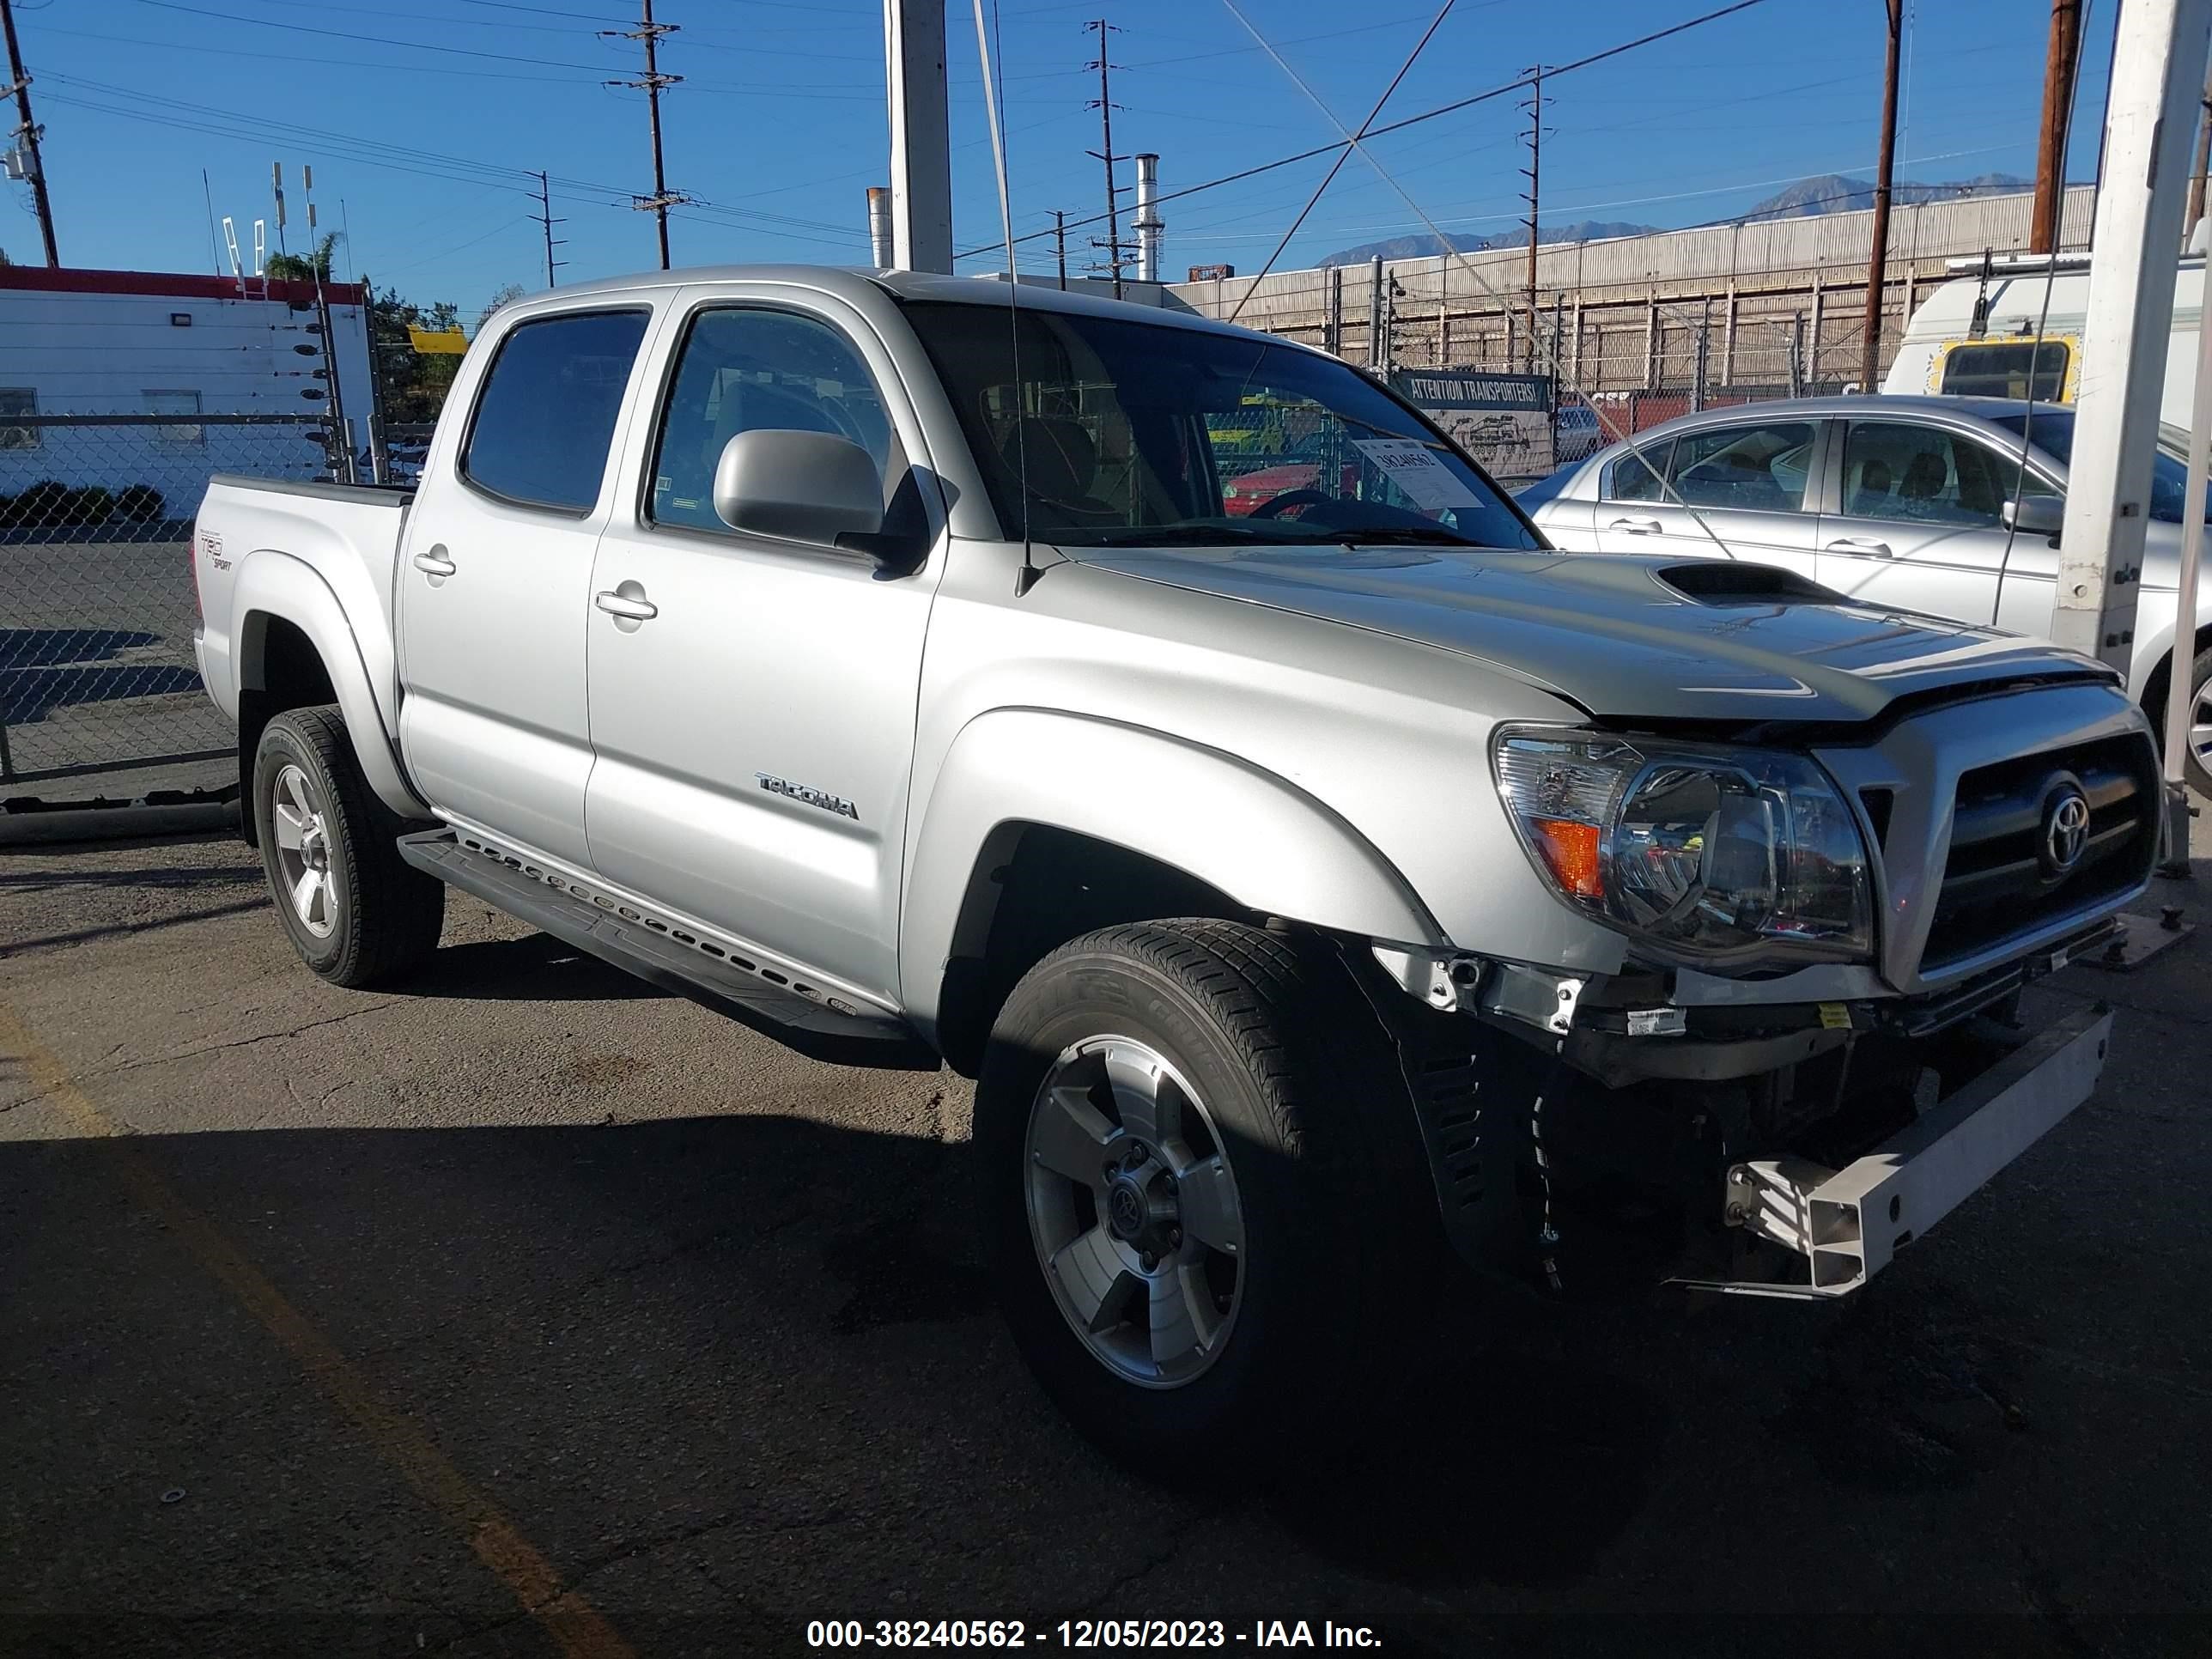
(1130,432)
(2051,431)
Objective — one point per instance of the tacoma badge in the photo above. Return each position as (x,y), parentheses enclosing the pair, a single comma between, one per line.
(807,792)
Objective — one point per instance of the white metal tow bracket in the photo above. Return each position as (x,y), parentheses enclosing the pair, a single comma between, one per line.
(1848,1223)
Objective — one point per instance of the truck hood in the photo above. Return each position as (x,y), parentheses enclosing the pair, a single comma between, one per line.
(1626,639)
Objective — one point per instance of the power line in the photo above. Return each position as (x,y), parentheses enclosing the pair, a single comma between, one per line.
(1337,165)
(1441,110)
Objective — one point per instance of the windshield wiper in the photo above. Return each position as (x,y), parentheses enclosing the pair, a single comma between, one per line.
(1391,535)
(1190,535)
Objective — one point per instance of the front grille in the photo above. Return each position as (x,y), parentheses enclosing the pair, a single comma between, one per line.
(1999,882)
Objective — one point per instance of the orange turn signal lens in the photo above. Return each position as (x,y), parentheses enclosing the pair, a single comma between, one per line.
(1572,851)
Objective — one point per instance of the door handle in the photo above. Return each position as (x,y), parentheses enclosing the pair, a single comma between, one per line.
(435,563)
(1866,544)
(636,609)
(1636,526)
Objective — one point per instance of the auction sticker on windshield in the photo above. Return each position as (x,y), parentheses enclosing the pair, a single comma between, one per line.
(1413,467)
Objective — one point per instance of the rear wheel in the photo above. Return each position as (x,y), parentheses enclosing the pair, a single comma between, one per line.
(354,910)
(1205,1219)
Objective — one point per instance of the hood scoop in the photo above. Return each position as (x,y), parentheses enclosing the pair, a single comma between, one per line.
(1727,581)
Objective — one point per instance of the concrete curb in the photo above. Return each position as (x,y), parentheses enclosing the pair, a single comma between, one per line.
(127,822)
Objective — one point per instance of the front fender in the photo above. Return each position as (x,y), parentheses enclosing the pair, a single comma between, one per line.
(1257,837)
(273,584)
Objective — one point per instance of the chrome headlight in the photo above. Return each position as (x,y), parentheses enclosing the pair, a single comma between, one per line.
(1710,851)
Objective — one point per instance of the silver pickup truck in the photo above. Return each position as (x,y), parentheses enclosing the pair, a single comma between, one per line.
(878,658)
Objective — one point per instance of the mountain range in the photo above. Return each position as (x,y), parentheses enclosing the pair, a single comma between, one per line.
(1831,193)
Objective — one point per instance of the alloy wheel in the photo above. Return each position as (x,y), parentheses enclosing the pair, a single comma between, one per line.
(299,819)
(1133,1212)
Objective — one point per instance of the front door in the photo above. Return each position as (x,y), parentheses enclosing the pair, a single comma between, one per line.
(495,583)
(1921,526)
(755,731)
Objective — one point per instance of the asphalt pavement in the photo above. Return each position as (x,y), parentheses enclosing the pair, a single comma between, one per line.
(528,1310)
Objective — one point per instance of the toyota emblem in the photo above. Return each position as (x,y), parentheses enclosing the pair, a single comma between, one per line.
(2065,831)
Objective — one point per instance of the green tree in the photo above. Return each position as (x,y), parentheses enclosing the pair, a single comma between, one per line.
(415,383)
(306,267)
(507,295)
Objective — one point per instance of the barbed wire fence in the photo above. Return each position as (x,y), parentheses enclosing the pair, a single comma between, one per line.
(101,698)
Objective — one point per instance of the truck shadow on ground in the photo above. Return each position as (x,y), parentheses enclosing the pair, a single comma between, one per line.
(722,1329)
(807,1308)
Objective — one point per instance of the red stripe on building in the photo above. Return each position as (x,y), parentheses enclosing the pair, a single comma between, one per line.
(176,285)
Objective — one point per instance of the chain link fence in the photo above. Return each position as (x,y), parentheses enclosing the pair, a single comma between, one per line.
(1624,356)
(101,699)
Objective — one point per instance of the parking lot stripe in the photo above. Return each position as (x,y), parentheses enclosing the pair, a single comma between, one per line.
(576,1626)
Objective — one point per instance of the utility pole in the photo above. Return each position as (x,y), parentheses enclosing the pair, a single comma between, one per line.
(650,83)
(1870,358)
(545,218)
(1535,108)
(27,134)
(2058,66)
(1060,244)
(1105,105)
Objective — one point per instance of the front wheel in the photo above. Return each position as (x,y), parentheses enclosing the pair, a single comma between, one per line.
(1203,1189)
(354,910)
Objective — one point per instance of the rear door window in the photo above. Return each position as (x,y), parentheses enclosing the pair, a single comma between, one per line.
(1635,477)
(545,419)
(1759,469)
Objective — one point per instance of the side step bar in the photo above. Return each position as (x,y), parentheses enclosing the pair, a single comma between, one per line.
(623,938)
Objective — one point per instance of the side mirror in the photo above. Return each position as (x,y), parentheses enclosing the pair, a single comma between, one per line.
(2034,515)
(798,486)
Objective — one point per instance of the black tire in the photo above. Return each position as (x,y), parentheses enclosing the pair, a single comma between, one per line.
(383,916)
(1302,1093)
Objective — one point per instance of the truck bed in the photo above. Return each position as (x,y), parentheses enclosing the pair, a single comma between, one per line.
(347,534)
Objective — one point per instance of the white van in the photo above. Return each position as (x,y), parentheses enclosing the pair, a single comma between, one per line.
(1945,351)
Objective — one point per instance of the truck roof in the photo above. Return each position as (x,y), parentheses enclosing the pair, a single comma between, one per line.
(858,285)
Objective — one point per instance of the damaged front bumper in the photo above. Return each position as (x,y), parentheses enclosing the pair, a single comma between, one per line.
(1844,1225)
(1640,1129)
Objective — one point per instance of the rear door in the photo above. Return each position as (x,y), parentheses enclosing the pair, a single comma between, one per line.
(495,581)
(1748,485)
(1631,488)
(1920,524)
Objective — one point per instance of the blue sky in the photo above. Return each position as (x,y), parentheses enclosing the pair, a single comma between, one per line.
(419,119)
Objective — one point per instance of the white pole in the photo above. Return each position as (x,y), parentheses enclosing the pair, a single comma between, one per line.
(921,147)
(2181,690)
(2157,79)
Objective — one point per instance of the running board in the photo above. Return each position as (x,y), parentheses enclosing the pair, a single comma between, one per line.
(653,949)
